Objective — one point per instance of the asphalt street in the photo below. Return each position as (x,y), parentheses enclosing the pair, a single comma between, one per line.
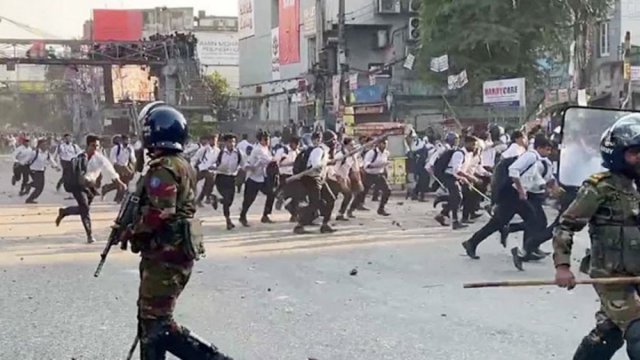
(265,293)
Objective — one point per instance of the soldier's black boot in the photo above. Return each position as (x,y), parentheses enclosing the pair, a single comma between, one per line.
(186,345)
(632,335)
(151,351)
(601,343)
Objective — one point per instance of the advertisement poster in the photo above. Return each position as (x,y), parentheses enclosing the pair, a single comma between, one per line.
(275,54)
(246,18)
(507,92)
(289,12)
(117,25)
(309,18)
(218,48)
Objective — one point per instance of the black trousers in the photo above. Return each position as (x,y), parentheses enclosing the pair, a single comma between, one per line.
(321,199)
(66,169)
(37,183)
(83,198)
(422,181)
(507,206)
(226,185)
(455,196)
(251,190)
(379,183)
(22,172)
(207,188)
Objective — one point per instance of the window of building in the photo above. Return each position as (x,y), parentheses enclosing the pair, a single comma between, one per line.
(604,39)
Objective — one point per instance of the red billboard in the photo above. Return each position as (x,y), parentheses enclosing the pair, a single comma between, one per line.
(289,13)
(117,25)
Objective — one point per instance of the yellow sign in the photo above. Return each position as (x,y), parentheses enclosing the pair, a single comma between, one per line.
(32,86)
(397,171)
(627,70)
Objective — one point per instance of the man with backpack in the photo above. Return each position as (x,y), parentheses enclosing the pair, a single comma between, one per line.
(521,194)
(65,151)
(374,164)
(228,162)
(285,156)
(257,180)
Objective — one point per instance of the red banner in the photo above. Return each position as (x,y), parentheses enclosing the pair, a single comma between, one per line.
(289,13)
(117,25)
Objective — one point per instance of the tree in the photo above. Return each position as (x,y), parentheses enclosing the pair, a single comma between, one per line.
(493,39)
(220,94)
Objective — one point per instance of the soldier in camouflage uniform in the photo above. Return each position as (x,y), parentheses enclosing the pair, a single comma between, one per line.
(168,238)
(609,203)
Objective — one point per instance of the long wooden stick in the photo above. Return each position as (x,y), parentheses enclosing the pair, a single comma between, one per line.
(599,281)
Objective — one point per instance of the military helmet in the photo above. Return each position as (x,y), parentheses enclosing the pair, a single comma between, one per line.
(451,138)
(164,127)
(617,139)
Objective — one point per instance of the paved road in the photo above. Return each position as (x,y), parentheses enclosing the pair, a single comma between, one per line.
(263,293)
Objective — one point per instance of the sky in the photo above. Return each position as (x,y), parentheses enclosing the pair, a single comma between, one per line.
(64,18)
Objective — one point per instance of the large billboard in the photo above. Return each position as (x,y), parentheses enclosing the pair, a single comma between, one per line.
(218,48)
(132,82)
(117,25)
(289,15)
(246,18)
(507,92)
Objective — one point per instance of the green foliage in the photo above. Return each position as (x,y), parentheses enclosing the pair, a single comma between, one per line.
(220,93)
(495,39)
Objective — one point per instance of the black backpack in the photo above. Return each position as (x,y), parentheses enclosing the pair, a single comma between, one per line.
(442,162)
(219,160)
(300,163)
(73,179)
(501,179)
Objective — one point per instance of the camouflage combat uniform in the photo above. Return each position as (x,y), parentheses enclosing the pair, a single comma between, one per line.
(168,199)
(609,203)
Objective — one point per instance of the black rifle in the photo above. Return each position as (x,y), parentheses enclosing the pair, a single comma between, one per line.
(126,219)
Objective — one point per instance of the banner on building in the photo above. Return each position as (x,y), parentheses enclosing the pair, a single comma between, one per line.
(117,25)
(635,73)
(309,19)
(246,18)
(220,48)
(275,54)
(335,92)
(132,82)
(507,92)
(289,14)
(440,64)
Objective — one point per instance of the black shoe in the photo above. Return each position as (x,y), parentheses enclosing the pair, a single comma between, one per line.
(504,235)
(13,181)
(471,251)
(375,199)
(350,215)
(457,225)
(293,219)
(341,218)
(214,202)
(468,221)
(474,216)
(244,222)
(30,201)
(383,212)
(185,345)
(265,220)
(279,203)
(441,219)
(517,258)
(326,229)
(534,256)
(230,225)
(299,230)
(362,208)
(90,239)
(60,217)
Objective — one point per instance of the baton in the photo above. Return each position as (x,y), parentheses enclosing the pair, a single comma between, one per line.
(479,192)
(523,283)
(349,154)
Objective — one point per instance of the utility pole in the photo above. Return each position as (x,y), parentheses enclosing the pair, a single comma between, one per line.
(342,48)
(319,71)
(626,70)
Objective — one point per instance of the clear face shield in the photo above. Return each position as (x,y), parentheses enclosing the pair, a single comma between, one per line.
(582,128)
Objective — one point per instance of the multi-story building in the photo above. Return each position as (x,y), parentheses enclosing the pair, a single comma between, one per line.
(607,50)
(279,81)
(218,46)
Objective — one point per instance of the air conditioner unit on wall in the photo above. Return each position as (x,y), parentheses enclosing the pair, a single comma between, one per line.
(389,6)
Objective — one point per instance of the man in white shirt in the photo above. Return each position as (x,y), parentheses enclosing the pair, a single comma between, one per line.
(40,159)
(21,157)
(285,156)
(256,168)
(204,163)
(228,162)
(344,170)
(91,165)
(65,151)
(375,164)
(123,159)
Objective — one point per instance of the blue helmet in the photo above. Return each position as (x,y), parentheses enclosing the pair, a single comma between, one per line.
(617,139)
(164,127)
(451,138)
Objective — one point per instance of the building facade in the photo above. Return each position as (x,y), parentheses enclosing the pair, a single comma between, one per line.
(277,84)
(218,46)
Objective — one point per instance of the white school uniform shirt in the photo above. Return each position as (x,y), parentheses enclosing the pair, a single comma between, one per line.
(121,155)
(459,158)
(530,169)
(439,148)
(381,159)
(513,150)
(257,163)
(66,152)
(285,158)
(344,164)
(22,155)
(99,164)
(318,159)
(40,159)
(243,145)
(229,162)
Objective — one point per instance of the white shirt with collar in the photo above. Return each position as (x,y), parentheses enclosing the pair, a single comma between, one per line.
(22,155)
(378,159)
(461,160)
(210,159)
(318,159)
(533,170)
(344,164)
(439,148)
(513,150)
(202,157)
(257,163)
(230,162)
(416,144)
(285,158)
(40,159)
(99,164)
(121,155)
(243,145)
(67,151)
